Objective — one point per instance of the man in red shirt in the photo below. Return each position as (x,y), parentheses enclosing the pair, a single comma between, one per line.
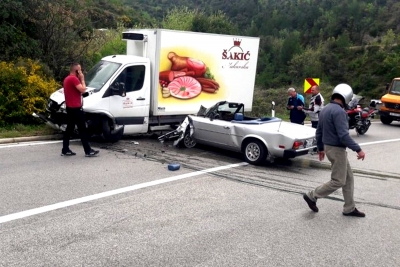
(74,86)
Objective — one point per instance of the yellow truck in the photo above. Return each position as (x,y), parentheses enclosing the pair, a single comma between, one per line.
(390,108)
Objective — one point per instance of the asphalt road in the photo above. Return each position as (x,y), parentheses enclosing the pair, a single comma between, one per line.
(124,208)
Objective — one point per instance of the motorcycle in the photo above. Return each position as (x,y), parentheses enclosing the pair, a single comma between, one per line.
(360,118)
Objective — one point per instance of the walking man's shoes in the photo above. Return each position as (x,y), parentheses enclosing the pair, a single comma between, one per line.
(92,153)
(67,153)
(311,204)
(355,213)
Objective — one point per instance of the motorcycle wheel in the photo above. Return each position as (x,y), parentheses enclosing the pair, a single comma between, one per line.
(361,130)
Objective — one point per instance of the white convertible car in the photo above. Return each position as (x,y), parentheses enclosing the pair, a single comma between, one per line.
(224,125)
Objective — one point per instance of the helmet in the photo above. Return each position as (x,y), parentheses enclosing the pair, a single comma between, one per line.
(344,90)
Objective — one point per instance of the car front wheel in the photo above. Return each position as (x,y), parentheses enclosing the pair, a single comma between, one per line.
(188,141)
(386,120)
(255,152)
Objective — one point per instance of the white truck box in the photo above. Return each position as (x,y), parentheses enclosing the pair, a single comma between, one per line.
(231,60)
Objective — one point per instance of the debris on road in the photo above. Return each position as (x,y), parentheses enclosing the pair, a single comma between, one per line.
(174,166)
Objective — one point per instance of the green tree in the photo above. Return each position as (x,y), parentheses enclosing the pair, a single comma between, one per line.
(179,19)
(63,32)
(15,39)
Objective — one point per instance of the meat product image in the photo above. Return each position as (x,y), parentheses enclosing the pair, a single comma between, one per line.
(185,87)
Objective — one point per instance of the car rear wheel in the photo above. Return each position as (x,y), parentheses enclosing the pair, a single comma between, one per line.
(386,120)
(255,152)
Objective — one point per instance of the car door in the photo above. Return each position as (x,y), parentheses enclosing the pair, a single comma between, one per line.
(213,132)
(132,109)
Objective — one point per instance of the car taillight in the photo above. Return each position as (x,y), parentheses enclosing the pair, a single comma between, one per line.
(297,144)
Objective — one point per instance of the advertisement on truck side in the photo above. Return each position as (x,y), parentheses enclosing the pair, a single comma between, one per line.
(201,69)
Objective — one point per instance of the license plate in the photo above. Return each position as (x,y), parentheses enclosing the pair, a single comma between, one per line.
(394,114)
(308,143)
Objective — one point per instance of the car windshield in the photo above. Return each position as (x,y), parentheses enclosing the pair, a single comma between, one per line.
(395,88)
(207,111)
(100,74)
(222,107)
(228,107)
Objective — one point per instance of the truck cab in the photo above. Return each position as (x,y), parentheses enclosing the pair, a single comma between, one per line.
(120,101)
(390,108)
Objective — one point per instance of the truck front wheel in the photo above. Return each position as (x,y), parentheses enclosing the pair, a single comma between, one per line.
(108,134)
(386,120)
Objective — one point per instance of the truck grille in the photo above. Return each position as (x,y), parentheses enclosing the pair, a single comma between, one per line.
(392,106)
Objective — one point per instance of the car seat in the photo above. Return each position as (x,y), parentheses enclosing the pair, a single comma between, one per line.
(238,117)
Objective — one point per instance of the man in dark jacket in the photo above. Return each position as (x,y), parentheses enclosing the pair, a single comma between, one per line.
(333,138)
(296,104)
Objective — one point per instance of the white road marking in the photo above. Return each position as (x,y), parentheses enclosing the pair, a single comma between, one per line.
(27,213)
(380,142)
(33,143)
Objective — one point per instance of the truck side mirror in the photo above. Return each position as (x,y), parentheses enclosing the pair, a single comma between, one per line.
(118,88)
(387,87)
(122,91)
(114,88)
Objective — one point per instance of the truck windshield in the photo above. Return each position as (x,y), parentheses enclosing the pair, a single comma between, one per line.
(395,89)
(100,74)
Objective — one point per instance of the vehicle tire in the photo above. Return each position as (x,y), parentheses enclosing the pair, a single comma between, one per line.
(106,132)
(187,140)
(386,120)
(255,152)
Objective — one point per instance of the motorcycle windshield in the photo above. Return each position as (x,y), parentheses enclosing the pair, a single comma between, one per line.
(354,101)
(100,74)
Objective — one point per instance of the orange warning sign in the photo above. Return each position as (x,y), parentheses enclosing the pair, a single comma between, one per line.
(308,83)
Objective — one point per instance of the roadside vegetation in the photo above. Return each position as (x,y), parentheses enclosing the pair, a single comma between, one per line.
(356,42)
(22,130)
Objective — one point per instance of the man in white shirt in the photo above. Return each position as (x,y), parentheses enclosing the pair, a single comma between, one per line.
(316,105)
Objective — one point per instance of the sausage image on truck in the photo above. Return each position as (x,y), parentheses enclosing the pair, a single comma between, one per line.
(390,107)
(164,76)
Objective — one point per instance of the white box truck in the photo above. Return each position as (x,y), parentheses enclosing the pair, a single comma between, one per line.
(164,76)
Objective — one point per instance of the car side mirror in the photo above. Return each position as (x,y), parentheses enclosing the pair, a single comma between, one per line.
(212,115)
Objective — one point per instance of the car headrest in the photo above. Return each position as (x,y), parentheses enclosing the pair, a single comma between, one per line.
(238,117)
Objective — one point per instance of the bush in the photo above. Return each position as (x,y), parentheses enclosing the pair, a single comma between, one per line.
(24,89)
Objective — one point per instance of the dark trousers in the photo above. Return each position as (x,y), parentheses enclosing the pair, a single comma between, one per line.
(314,124)
(76,116)
(297,122)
